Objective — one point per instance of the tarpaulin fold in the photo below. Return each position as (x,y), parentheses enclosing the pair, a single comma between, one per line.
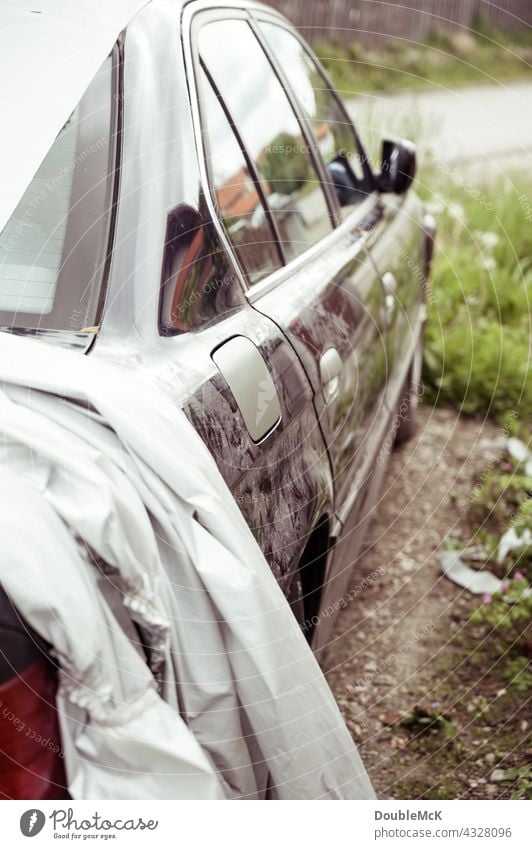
(131,522)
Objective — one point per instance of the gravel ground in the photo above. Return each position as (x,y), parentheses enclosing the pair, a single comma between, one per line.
(394,645)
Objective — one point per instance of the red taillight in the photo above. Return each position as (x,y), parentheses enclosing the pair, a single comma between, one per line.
(31,758)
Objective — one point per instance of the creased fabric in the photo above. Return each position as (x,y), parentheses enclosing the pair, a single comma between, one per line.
(134,524)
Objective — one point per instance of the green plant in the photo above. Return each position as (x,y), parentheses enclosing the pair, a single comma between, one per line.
(521,777)
(508,614)
(478,336)
(504,499)
(422,719)
(446,59)
(518,674)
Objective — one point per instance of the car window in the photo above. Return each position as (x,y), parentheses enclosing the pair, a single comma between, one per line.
(236,195)
(270,132)
(334,135)
(53,248)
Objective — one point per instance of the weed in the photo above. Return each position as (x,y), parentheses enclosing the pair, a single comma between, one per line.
(444,60)
(507,614)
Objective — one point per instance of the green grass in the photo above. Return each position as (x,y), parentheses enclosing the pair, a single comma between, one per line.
(478,342)
(447,59)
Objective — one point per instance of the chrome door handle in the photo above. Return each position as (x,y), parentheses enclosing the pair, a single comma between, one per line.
(330,370)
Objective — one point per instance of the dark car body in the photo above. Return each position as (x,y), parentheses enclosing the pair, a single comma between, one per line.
(287,324)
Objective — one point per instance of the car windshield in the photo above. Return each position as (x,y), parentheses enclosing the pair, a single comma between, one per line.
(54,247)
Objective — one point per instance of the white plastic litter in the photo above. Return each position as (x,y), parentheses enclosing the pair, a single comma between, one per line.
(113,511)
(520,453)
(512,541)
(478,582)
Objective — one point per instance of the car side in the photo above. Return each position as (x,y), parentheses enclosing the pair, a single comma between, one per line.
(262,273)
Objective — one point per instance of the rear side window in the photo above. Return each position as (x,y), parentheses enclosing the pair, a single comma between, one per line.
(269,131)
(54,247)
(333,133)
(236,195)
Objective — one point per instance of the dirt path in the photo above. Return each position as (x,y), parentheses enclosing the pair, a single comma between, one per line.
(394,640)
(480,122)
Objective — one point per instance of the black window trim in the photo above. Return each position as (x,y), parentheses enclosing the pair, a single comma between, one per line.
(250,164)
(199,19)
(194,66)
(271,18)
(306,130)
(189,24)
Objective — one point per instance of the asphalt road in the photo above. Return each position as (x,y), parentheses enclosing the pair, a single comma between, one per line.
(480,125)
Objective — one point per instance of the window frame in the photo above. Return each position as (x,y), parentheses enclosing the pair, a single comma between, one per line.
(200,19)
(341,228)
(250,165)
(273,19)
(105,248)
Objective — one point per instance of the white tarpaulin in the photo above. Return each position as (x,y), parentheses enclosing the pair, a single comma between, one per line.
(50,51)
(114,512)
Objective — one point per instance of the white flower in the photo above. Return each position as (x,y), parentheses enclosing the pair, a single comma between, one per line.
(435,206)
(456,210)
(487,239)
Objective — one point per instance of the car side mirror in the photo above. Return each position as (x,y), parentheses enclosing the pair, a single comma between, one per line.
(398,166)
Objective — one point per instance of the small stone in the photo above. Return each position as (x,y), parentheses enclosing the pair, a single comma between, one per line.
(490,758)
(399,742)
(406,563)
(391,718)
(491,789)
(386,680)
(371,666)
(497,775)
(472,783)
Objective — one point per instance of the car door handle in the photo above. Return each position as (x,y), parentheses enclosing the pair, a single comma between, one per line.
(330,370)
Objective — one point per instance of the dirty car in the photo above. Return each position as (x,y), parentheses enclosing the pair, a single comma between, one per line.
(208,214)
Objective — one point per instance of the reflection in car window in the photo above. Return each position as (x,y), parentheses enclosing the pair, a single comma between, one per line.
(236,195)
(335,137)
(54,246)
(270,132)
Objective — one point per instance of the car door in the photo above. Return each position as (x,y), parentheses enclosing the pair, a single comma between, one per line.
(246,391)
(327,298)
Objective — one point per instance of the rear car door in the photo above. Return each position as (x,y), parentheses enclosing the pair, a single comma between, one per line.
(229,366)
(327,296)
